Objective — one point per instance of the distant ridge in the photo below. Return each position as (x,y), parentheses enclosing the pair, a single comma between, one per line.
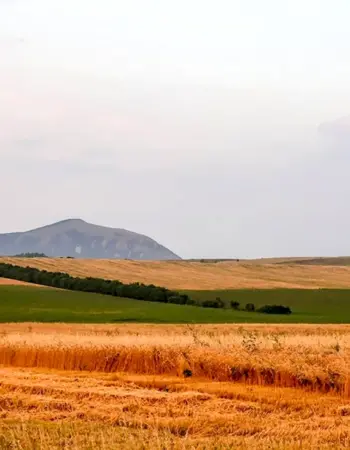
(80,239)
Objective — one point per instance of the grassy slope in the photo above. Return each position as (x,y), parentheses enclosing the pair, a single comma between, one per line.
(30,304)
(308,306)
(48,305)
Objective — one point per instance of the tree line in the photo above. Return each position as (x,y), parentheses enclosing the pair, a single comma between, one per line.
(249,307)
(31,255)
(116,288)
(138,291)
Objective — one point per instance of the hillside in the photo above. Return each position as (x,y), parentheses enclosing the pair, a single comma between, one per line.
(79,239)
(196,275)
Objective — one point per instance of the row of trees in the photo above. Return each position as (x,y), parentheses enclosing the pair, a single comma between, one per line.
(266,309)
(31,255)
(138,291)
(116,288)
(249,307)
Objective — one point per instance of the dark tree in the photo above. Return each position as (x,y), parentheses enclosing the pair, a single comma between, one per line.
(275,309)
(250,307)
(235,305)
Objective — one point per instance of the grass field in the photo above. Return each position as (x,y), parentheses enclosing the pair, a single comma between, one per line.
(199,276)
(29,303)
(123,387)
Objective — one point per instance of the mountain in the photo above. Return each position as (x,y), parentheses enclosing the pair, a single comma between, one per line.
(75,237)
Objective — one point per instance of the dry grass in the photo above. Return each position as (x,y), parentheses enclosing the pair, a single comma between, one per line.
(196,275)
(119,387)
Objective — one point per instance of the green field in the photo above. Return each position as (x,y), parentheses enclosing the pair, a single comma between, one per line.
(307,305)
(31,304)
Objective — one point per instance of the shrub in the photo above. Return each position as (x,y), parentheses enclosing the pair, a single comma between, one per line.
(178,299)
(217,303)
(250,307)
(187,373)
(220,302)
(275,309)
(234,304)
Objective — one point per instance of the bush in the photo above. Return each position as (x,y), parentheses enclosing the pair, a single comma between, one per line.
(179,299)
(275,309)
(217,303)
(220,302)
(250,307)
(234,305)
(187,373)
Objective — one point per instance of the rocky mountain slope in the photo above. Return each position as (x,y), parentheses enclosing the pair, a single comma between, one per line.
(77,238)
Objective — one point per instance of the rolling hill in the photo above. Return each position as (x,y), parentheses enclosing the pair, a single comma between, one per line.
(196,275)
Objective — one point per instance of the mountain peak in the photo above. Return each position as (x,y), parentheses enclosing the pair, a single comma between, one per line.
(78,238)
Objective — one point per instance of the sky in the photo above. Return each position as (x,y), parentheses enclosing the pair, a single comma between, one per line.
(194,122)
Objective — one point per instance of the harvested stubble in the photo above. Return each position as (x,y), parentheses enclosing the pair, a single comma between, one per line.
(112,412)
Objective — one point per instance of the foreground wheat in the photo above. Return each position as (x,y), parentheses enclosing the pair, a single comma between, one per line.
(174,387)
(301,359)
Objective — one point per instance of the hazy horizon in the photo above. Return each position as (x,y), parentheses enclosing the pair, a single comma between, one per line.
(193,123)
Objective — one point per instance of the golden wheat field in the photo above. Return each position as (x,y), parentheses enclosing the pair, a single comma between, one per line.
(196,275)
(174,386)
(5,281)
(8,282)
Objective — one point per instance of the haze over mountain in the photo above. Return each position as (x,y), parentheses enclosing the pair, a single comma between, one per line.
(75,237)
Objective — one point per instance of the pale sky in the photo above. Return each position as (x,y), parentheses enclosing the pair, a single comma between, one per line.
(194,122)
